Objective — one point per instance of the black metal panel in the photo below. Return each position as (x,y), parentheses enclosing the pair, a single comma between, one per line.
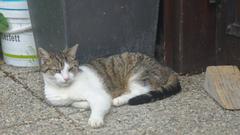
(107,27)
(100,27)
(48,23)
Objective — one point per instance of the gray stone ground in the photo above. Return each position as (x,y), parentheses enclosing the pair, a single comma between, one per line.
(23,111)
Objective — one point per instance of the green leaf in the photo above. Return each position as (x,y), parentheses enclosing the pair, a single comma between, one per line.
(3,23)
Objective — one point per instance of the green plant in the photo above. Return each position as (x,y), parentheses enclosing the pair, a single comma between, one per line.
(3,23)
(3,27)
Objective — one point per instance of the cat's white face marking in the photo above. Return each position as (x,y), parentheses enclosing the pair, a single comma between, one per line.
(64,77)
(65,73)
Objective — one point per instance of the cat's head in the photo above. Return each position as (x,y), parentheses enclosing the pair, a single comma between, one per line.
(59,68)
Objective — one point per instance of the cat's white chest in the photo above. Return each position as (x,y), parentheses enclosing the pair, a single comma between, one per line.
(56,96)
(86,86)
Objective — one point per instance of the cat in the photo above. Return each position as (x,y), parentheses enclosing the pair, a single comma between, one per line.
(127,78)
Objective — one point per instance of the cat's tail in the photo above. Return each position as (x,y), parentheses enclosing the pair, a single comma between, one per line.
(171,88)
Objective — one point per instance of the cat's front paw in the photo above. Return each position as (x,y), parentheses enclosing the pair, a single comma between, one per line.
(96,122)
(119,101)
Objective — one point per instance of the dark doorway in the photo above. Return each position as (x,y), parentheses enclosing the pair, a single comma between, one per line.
(198,34)
(189,34)
(228,32)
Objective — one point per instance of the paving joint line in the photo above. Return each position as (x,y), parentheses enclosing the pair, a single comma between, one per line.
(11,76)
(29,70)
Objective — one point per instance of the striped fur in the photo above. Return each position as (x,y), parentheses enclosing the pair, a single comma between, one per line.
(52,63)
(117,69)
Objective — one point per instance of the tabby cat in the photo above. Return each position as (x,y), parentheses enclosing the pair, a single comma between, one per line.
(127,78)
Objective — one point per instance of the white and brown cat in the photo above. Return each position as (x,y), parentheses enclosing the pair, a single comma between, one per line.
(127,78)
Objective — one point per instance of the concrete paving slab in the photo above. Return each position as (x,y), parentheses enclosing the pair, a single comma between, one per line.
(68,110)
(190,112)
(35,83)
(18,106)
(52,126)
(1,73)
(17,70)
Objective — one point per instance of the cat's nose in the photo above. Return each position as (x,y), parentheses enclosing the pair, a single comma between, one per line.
(66,78)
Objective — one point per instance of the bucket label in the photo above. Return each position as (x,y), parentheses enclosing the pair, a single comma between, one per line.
(19,49)
(11,37)
(19,44)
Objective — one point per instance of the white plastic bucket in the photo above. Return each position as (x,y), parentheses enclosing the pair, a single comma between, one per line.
(18,44)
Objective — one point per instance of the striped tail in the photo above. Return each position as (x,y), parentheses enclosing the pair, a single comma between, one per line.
(171,88)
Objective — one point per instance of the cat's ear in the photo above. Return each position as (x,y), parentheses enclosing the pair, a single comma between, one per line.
(43,54)
(71,52)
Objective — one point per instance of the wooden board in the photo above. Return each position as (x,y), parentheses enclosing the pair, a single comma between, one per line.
(223,84)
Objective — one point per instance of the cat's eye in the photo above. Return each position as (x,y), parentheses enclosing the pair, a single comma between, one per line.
(57,70)
(70,69)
